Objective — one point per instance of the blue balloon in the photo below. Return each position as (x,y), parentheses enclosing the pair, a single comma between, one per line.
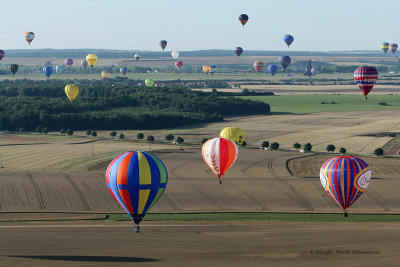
(288,75)
(272,69)
(123,70)
(48,70)
(59,69)
(288,39)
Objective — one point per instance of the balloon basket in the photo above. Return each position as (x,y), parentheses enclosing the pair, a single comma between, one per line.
(137,228)
(345,214)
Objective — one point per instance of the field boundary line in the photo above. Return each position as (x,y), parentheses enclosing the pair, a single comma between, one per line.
(304,156)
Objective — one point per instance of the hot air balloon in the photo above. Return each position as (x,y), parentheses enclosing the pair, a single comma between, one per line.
(72,91)
(238,51)
(123,70)
(91,59)
(206,69)
(13,68)
(365,77)
(308,70)
(345,178)
(234,133)
(69,62)
(84,64)
(393,48)
(149,82)
(163,44)
(314,71)
(136,180)
(137,57)
(2,54)
(285,61)
(47,70)
(220,154)
(258,66)
(385,47)
(29,36)
(175,54)
(288,75)
(272,69)
(243,18)
(105,74)
(59,69)
(288,39)
(213,69)
(179,64)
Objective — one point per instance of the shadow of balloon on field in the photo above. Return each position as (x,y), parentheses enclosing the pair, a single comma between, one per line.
(85,258)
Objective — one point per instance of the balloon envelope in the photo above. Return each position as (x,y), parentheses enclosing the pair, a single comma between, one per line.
(13,68)
(175,54)
(29,36)
(393,48)
(163,44)
(288,39)
(233,133)
(206,69)
(345,178)
(179,64)
(272,69)
(285,61)
(69,62)
(213,69)
(136,180)
(91,59)
(258,66)
(84,64)
(137,57)
(314,71)
(105,74)
(2,54)
(72,91)
(47,70)
(123,70)
(238,51)
(59,69)
(243,18)
(149,82)
(365,77)
(220,154)
(385,47)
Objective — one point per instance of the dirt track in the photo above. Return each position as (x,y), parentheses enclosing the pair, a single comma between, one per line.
(259,181)
(201,244)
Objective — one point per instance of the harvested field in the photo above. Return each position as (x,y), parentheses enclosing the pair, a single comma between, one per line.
(258,182)
(200,244)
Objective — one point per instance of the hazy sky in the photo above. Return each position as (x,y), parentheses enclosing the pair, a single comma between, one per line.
(317,25)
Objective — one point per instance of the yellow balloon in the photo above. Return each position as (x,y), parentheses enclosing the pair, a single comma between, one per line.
(105,74)
(72,91)
(91,59)
(234,133)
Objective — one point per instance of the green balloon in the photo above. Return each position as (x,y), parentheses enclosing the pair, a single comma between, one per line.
(149,82)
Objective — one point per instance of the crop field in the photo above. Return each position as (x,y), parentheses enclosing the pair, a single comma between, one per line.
(302,104)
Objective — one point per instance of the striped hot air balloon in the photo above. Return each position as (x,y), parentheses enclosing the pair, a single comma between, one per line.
(393,47)
(179,64)
(220,154)
(136,180)
(285,61)
(385,47)
(365,77)
(258,66)
(345,178)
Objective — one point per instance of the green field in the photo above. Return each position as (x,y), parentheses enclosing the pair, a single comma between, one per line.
(302,104)
(265,217)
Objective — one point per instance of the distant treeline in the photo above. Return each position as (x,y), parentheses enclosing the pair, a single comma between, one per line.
(103,107)
(101,53)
